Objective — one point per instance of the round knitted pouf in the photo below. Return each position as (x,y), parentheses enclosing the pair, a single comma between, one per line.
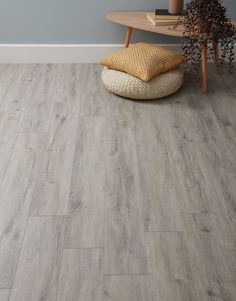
(128,86)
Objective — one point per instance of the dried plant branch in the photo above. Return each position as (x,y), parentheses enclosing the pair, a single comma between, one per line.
(207,21)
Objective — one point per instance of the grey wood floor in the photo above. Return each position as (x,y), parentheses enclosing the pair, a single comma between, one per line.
(102,198)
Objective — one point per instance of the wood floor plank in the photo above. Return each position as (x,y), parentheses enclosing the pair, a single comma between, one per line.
(125,251)
(222,227)
(159,194)
(197,169)
(218,122)
(9,129)
(17,94)
(53,185)
(217,153)
(196,162)
(211,148)
(38,107)
(6,72)
(219,182)
(213,264)
(16,196)
(81,276)
(189,178)
(218,164)
(92,92)
(224,115)
(69,79)
(169,267)
(186,170)
(127,288)
(9,73)
(166,117)
(85,216)
(4,294)
(38,269)
(3,70)
(120,112)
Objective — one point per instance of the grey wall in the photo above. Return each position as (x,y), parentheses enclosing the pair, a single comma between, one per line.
(74,21)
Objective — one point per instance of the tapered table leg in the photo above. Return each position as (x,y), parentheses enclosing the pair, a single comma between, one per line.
(204,68)
(216,59)
(128,36)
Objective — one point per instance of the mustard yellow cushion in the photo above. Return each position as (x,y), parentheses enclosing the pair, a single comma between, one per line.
(144,61)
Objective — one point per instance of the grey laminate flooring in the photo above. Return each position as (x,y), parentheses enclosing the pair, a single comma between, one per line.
(103,198)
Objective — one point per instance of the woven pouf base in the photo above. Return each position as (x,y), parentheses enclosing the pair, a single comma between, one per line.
(128,86)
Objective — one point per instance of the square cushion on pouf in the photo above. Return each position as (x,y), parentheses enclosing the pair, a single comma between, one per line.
(128,86)
(144,61)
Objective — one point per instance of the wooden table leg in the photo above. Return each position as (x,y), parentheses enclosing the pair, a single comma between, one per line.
(204,68)
(216,59)
(128,36)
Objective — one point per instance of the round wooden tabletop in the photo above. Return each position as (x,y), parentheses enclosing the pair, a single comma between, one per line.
(139,20)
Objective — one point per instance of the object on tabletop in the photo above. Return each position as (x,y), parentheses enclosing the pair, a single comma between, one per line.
(176,6)
(161,17)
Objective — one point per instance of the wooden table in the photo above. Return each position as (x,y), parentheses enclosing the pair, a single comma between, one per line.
(140,21)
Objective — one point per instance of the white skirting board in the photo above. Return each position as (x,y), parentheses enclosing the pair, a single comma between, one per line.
(63,53)
(42,53)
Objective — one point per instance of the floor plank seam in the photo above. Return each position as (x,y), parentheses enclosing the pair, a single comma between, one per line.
(71,179)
